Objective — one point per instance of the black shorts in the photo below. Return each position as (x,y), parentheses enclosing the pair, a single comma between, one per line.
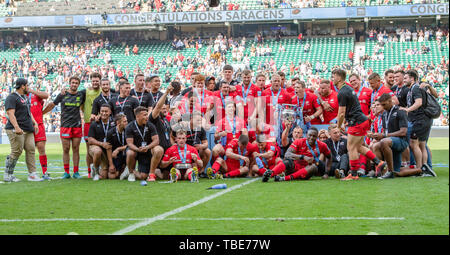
(421,129)
(143,160)
(120,161)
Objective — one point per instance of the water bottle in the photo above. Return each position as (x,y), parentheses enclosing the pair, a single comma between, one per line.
(143,183)
(259,163)
(219,186)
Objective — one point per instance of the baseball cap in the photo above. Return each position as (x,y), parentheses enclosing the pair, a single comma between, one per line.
(20,82)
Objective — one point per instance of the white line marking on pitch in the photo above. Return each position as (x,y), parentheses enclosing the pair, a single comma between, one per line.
(66,219)
(205,219)
(295,218)
(180,209)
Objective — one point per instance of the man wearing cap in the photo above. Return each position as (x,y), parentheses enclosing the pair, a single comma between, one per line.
(20,129)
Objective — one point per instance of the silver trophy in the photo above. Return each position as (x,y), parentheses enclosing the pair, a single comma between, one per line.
(288,113)
(183,166)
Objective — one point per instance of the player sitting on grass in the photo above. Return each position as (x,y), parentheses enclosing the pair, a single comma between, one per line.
(184,159)
(303,157)
(266,157)
(98,131)
(237,159)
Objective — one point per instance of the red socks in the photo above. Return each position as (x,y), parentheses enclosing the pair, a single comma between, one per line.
(75,169)
(215,167)
(261,171)
(67,168)
(279,168)
(43,161)
(370,155)
(189,175)
(233,173)
(302,173)
(354,165)
(362,162)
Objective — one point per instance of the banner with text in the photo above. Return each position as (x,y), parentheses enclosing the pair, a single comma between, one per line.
(225,16)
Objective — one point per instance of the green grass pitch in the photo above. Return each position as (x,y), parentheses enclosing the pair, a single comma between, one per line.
(402,206)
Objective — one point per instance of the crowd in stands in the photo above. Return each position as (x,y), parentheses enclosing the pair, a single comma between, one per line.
(137,6)
(73,58)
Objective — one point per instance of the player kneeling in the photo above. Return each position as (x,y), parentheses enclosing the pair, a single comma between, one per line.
(97,138)
(142,140)
(303,156)
(266,157)
(184,159)
(117,157)
(237,159)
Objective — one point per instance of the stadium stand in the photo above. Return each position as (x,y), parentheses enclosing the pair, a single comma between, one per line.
(82,7)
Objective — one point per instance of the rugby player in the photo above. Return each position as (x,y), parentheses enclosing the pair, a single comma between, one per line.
(153,85)
(304,159)
(379,89)
(220,97)
(143,146)
(393,140)
(184,159)
(103,98)
(117,158)
(124,103)
(308,106)
(98,144)
(362,93)
(228,128)
(389,78)
(358,124)
(272,98)
(249,94)
(420,122)
(329,103)
(36,98)
(266,157)
(161,123)
(237,159)
(196,137)
(71,130)
(144,98)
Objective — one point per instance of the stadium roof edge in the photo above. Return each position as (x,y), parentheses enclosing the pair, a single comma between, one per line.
(247,16)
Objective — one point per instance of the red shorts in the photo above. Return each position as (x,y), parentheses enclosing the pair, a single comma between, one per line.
(232,166)
(360,129)
(73,132)
(86,131)
(40,136)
